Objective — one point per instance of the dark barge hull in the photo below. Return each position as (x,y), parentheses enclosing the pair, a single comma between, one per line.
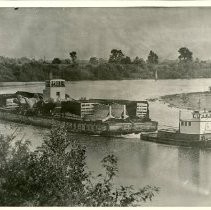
(176,142)
(81,126)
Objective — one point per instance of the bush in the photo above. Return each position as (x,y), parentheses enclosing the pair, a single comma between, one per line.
(56,174)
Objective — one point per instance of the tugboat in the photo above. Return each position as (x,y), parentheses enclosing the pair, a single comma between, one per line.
(194,132)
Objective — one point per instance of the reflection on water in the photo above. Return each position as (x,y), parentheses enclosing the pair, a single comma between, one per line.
(189,166)
(194,169)
(181,173)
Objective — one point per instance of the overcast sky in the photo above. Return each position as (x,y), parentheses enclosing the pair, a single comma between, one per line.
(54,32)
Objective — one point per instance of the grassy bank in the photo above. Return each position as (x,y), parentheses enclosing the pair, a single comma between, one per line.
(193,101)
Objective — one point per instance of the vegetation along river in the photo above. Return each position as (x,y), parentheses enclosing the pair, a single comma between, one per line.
(183,174)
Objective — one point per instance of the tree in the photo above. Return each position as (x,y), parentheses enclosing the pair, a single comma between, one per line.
(56,61)
(67,61)
(126,60)
(101,61)
(73,56)
(116,56)
(152,58)
(185,54)
(139,61)
(93,61)
(56,174)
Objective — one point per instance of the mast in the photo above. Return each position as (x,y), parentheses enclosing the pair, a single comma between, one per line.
(156,75)
(179,119)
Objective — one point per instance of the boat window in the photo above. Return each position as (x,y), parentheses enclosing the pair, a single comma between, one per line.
(189,123)
(186,123)
(182,123)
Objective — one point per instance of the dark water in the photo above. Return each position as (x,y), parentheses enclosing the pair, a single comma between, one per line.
(183,174)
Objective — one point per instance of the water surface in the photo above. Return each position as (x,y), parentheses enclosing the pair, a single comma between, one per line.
(183,174)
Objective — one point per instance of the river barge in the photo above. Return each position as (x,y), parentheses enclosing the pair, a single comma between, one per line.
(107,128)
(105,117)
(194,132)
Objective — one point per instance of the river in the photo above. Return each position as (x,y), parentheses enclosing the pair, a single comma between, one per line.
(183,174)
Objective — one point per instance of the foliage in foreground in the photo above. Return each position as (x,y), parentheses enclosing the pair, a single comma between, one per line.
(56,174)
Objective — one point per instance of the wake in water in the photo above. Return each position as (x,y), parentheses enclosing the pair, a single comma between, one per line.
(131,136)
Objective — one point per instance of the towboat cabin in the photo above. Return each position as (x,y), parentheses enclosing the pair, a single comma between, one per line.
(54,89)
(199,124)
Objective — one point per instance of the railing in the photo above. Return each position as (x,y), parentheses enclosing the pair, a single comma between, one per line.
(169,130)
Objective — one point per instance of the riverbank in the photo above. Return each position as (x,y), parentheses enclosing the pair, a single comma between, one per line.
(190,101)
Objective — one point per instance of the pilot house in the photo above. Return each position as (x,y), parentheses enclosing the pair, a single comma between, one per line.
(54,89)
(199,124)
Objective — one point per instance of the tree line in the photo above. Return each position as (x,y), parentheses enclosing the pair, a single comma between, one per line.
(118,66)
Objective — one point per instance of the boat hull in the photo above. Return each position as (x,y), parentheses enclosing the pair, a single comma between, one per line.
(179,141)
(82,126)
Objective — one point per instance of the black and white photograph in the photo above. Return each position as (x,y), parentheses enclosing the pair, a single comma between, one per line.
(105,106)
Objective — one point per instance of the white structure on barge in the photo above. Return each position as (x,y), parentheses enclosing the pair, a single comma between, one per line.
(54,89)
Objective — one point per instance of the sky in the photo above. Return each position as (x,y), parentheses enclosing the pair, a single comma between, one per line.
(54,32)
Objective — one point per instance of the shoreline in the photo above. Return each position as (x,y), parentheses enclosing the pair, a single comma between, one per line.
(123,79)
(189,101)
(11,84)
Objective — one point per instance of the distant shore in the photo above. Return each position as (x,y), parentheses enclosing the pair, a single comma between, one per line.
(190,101)
(9,84)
